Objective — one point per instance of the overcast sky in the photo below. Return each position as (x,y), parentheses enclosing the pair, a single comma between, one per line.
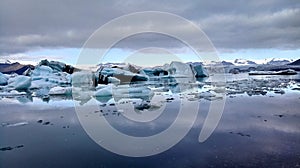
(234,27)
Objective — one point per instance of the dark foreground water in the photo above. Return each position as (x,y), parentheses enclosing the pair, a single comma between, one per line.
(254,131)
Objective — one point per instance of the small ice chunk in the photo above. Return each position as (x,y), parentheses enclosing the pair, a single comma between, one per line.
(114,80)
(105,91)
(206,95)
(17,124)
(60,91)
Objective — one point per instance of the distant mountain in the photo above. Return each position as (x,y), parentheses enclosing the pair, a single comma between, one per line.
(4,61)
(227,63)
(277,61)
(8,68)
(297,62)
(243,62)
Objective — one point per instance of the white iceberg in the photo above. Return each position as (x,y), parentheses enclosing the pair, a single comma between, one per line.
(60,91)
(124,92)
(179,69)
(12,93)
(15,124)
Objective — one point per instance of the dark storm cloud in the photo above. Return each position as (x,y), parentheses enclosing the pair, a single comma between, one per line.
(31,24)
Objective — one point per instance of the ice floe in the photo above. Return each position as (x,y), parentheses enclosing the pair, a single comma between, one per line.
(58,90)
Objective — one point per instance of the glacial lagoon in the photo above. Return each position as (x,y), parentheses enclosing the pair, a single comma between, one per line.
(259,127)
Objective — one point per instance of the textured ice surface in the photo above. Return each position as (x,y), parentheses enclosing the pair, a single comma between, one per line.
(3,79)
(19,82)
(58,90)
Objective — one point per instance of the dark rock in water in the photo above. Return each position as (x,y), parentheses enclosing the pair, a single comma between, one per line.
(39,121)
(171,98)
(102,105)
(19,146)
(6,148)
(241,134)
(142,106)
(279,115)
(17,68)
(11,148)
(46,123)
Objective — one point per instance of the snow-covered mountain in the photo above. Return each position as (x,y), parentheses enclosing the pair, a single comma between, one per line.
(4,61)
(240,62)
(276,61)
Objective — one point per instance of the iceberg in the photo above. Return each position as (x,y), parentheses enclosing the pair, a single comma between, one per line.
(19,82)
(83,79)
(123,75)
(114,80)
(199,71)
(154,72)
(104,91)
(124,92)
(189,70)
(179,69)
(12,93)
(15,124)
(3,79)
(57,66)
(283,72)
(44,76)
(42,71)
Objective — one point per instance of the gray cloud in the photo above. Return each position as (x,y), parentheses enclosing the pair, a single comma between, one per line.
(30,24)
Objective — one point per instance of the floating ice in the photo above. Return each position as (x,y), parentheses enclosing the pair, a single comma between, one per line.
(12,93)
(83,79)
(200,71)
(3,79)
(60,91)
(124,92)
(106,91)
(114,80)
(42,71)
(19,82)
(179,69)
(15,124)
(206,95)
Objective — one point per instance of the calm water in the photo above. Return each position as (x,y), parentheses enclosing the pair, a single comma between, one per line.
(254,131)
